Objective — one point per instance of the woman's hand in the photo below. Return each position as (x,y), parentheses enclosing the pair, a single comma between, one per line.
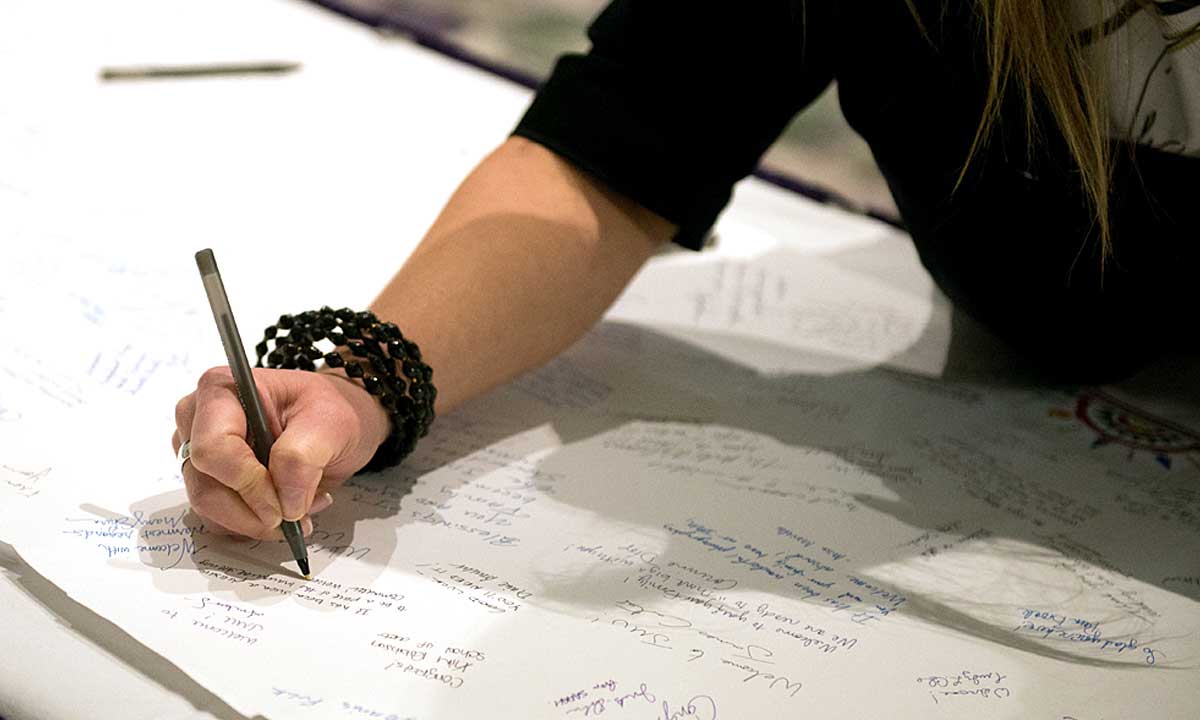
(327,427)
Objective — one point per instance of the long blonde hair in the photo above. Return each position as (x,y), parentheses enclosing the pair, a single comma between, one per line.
(1033,48)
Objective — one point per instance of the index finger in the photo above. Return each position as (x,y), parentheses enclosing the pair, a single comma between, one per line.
(219,448)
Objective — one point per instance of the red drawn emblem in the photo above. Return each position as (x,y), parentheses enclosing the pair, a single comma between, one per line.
(1119,423)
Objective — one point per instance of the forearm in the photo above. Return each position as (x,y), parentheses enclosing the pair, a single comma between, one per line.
(526,256)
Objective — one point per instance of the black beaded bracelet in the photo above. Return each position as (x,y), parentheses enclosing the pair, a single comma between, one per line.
(388,364)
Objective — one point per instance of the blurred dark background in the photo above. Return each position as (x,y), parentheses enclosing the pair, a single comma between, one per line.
(525,36)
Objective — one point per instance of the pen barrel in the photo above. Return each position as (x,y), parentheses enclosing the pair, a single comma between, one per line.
(247,391)
(294,535)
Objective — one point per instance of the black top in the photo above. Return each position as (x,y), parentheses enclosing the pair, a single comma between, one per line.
(677,101)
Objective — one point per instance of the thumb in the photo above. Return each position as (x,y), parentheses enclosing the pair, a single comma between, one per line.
(298,461)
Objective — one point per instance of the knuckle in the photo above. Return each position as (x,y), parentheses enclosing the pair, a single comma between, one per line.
(210,502)
(291,455)
(201,495)
(204,456)
(225,458)
(244,481)
(219,375)
(215,373)
(184,409)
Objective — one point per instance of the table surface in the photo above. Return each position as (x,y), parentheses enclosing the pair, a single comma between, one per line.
(329,165)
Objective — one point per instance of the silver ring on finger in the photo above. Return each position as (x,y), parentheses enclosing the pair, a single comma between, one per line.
(185,453)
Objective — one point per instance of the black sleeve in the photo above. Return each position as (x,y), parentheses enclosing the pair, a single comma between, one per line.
(676,101)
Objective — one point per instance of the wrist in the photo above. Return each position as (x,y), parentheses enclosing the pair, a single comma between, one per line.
(374,356)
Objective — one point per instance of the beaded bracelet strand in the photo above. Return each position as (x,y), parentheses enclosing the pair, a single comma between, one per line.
(388,364)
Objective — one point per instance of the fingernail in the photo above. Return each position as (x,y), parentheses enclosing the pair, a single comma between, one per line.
(292,501)
(322,502)
(306,526)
